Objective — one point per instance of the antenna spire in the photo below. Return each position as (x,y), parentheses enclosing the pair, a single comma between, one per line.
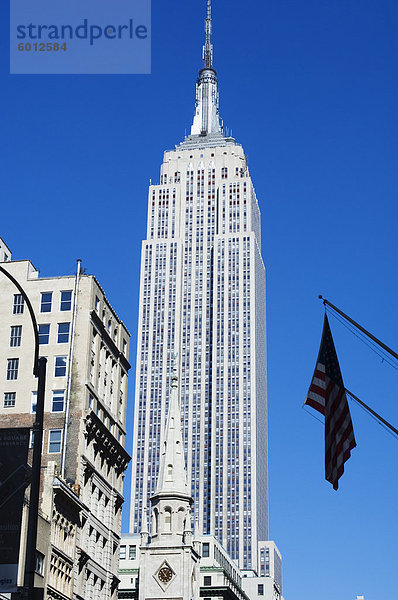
(206,120)
(208,47)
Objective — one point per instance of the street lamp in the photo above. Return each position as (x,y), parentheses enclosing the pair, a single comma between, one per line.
(39,370)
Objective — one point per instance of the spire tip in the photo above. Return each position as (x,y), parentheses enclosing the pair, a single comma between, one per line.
(208,47)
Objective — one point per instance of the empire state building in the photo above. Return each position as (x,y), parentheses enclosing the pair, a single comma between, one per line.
(202,295)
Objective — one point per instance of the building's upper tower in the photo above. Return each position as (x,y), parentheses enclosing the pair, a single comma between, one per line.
(206,120)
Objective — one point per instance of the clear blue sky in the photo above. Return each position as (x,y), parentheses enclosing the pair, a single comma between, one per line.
(310,90)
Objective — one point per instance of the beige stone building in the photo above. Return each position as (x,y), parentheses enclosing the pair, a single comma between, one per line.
(83,457)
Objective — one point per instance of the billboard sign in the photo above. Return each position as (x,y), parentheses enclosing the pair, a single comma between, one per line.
(14,477)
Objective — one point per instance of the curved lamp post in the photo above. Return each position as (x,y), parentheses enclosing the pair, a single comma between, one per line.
(39,370)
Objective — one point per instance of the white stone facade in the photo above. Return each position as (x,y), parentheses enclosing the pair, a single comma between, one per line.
(219,575)
(202,290)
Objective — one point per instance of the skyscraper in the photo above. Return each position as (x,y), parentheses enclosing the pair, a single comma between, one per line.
(202,294)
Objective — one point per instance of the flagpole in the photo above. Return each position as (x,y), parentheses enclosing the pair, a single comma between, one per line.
(358,326)
(374,413)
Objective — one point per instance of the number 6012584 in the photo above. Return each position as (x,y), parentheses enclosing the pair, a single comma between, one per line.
(42,47)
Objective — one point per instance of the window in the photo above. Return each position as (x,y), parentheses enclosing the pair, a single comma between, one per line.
(60,366)
(66,300)
(205,550)
(12,368)
(44,334)
(132,552)
(58,401)
(46,301)
(9,399)
(124,346)
(63,333)
(33,400)
(39,565)
(15,336)
(260,589)
(167,520)
(207,580)
(54,441)
(122,554)
(97,303)
(17,308)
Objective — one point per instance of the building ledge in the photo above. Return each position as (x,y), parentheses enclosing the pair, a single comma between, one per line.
(92,564)
(60,486)
(58,552)
(106,443)
(134,570)
(118,354)
(211,140)
(224,591)
(52,592)
(127,594)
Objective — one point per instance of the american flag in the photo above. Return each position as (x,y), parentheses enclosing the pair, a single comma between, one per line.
(327,395)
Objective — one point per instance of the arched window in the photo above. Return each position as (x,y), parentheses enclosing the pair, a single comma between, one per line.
(167,520)
(181,519)
(155,521)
